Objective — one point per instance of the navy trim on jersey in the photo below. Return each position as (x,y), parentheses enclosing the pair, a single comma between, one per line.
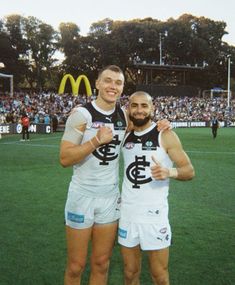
(117,117)
(149,141)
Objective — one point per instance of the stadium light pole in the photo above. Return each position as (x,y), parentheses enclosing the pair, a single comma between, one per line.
(160,48)
(228,88)
(165,34)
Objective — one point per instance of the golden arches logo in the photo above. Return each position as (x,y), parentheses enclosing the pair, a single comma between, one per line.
(75,84)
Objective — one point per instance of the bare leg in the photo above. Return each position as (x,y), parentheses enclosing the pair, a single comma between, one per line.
(158,260)
(103,238)
(77,245)
(132,264)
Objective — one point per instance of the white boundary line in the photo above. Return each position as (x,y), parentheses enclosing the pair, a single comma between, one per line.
(210,152)
(28,144)
(31,143)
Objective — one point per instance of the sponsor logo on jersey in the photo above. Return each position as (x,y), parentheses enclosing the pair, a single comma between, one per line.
(119,123)
(153,212)
(129,145)
(109,119)
(97,125)
(149,145)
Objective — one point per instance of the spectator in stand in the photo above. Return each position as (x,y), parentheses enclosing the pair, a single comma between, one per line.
(47,119)
(173,108)
(36,119)
(2,118)
(9,118)
(25,126)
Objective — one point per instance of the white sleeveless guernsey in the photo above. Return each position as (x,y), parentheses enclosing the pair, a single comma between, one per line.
(97,175)
(144,199)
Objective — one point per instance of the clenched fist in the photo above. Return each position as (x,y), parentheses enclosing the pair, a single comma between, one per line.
(104,135)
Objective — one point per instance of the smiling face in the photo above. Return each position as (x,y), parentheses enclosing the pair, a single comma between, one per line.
(140,109)
(110,85)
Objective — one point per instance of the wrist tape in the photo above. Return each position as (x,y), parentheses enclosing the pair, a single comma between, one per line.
(173,172)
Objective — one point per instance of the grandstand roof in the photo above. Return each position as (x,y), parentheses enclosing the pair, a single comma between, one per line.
(187,67)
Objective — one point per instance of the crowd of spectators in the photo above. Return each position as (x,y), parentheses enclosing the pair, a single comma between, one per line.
(47,107)
(186,109)
(44,107)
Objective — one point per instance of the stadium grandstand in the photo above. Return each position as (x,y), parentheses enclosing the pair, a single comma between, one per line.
(181,110)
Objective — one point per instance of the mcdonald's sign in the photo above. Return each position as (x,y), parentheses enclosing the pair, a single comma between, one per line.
(75,84)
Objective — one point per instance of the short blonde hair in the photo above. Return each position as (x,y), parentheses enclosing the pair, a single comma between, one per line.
(111,67)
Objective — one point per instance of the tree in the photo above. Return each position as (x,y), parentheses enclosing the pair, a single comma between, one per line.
(11,47)
(28,46)
(42,44)
(34,44)
(69,34)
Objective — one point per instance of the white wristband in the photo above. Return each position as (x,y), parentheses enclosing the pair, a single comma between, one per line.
(97,140)
(173,172)
(92,144)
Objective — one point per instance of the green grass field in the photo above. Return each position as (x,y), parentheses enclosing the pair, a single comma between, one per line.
(33,189)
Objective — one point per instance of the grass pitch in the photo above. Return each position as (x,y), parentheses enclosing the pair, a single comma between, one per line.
(33,188)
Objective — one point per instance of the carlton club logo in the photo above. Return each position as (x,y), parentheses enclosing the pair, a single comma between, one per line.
(75,84)
(107,152)
(135,169)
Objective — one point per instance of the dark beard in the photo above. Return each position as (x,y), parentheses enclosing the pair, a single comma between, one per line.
(140,122)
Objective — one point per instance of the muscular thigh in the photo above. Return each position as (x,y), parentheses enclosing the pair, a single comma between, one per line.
(77,244)
(158,259)
(103,239)
(131,257)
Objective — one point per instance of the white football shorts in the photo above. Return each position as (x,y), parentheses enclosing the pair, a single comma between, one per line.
(83,212)
(148,236)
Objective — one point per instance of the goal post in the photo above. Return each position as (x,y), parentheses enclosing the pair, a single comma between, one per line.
(216,93)
(11,81)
